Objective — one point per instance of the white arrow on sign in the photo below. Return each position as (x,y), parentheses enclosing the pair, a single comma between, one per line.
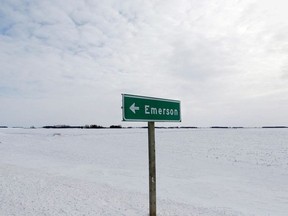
(133,108)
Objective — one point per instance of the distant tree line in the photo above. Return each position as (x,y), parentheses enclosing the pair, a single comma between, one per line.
(93,126)
(115,126)
(274,127)
(62,127)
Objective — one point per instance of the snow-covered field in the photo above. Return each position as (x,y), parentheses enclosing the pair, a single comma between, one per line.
(105,172)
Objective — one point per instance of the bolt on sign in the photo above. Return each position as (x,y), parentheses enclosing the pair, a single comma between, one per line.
(148,109)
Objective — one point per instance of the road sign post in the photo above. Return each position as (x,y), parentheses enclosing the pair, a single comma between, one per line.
(148,109)
(152,168)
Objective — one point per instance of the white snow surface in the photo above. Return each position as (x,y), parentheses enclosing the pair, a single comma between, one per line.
(105,172)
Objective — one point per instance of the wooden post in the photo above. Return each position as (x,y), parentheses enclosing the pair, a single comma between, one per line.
(152,169)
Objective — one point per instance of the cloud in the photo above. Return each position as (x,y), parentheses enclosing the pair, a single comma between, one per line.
(71,55)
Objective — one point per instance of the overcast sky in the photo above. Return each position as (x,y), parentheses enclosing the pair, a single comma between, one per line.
(68,62)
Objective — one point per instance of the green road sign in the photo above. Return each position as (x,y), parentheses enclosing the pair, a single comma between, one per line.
(149,109)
